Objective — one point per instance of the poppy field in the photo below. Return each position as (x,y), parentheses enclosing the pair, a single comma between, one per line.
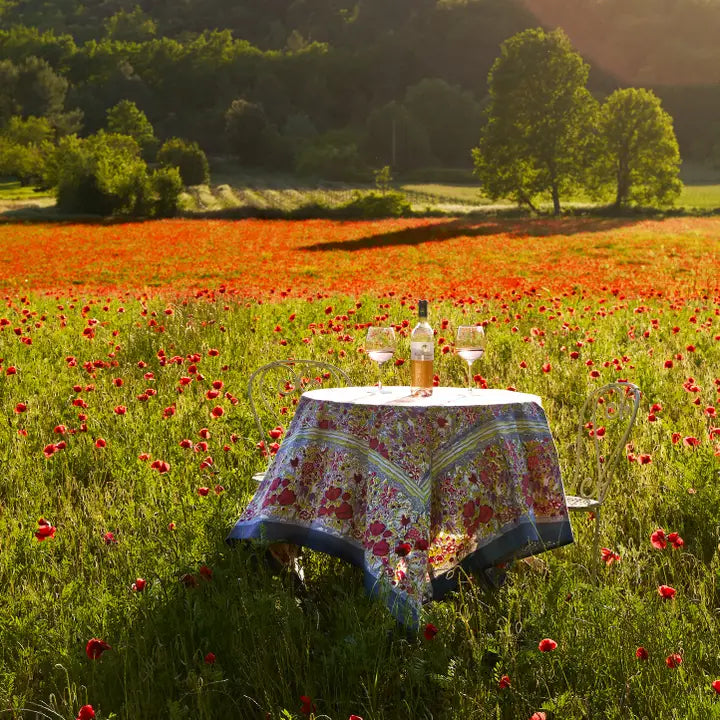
(128,447)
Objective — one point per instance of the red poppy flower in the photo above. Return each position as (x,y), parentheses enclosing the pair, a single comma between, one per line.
(658,539)
(210,659)
(100,443)
(691,441)
(86,712)
(546,645)
(109,538)
(203,491)
(641,653)
(206,572)
(666,592)
(20,407)
(539,715)
(430,631)
(95,648)
(161,466)
(645,459)
(49,450)
(674,660)
(608,556)
(504,682)
(676,540)
(217,411)
(547,367)
(138,585)
(308,706)
(716,686)
(355,717)
(45,530)
(189,580)
(119,409)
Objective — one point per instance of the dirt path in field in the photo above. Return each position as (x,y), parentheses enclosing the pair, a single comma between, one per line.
(22,208)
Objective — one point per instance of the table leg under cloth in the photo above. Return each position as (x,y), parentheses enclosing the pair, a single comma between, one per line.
(411,495)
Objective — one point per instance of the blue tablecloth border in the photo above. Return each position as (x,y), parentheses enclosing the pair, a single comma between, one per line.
(527,538)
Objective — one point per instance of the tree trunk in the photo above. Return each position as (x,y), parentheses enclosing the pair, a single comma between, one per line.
(522,198)
(555,199)
(623,183)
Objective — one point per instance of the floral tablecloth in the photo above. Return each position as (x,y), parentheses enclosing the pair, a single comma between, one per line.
(411,489)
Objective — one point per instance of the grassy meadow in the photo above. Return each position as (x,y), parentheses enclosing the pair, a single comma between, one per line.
(113,531)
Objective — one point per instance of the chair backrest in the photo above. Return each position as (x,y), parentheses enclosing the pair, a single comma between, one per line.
(606,420)
(274,388)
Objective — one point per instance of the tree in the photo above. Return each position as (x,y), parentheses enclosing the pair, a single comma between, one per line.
(126,118)
(24,146)
(40,91)
(449,116)
(641,157)
(539,121)
(189,159)
(134,26)
(393,137)
(248,130)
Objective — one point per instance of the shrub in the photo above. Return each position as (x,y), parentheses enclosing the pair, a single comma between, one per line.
(377,205)
(105,175)
(167,185)
(188,158)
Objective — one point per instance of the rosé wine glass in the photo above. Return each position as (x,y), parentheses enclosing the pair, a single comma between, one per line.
(470,346)
(380,347)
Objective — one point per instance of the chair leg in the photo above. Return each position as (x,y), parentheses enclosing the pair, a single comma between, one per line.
(596,544)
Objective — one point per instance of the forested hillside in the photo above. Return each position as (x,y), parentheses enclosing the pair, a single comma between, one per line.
(334,87)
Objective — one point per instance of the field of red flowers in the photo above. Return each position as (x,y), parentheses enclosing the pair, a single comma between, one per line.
(428,256)
(128,448)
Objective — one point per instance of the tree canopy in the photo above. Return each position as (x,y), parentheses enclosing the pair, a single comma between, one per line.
(641,155)
(539,119)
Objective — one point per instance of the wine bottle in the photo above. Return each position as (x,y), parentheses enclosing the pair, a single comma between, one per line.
(422,352)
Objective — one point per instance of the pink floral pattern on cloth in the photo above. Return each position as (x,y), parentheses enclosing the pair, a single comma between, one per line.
(411,491)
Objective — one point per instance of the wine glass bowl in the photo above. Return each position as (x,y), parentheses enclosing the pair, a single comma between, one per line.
(380,347)
(470,346)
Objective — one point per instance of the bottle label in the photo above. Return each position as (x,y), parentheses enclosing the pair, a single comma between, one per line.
(422,350)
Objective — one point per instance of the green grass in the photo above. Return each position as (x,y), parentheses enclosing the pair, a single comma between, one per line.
(336,645)
(13,190)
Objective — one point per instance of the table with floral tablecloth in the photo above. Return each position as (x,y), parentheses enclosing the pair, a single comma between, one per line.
(411,489)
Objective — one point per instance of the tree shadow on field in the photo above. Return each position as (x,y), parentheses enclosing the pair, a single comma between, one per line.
(468,227)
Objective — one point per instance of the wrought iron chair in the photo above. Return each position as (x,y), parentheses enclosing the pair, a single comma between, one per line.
(606,420)
(274,387)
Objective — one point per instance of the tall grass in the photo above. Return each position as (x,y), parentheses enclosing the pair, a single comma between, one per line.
(273,645)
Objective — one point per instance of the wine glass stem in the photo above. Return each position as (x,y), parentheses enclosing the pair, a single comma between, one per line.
(380,387)
(470,376)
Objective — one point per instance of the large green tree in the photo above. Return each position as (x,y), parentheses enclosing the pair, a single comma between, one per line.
(539,120)
(641,158)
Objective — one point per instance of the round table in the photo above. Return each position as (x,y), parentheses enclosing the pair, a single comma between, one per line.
(411,489)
